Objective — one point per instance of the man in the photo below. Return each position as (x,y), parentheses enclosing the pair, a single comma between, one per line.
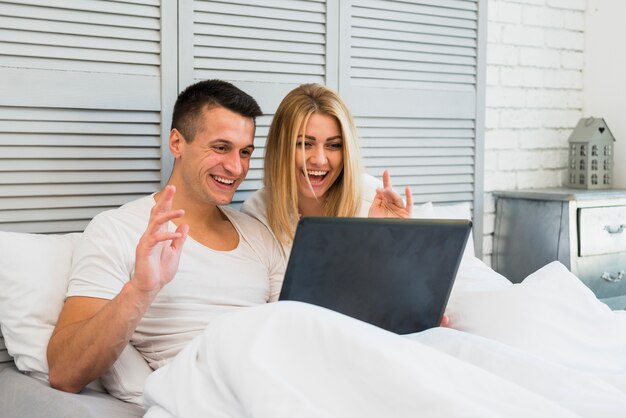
(126,282)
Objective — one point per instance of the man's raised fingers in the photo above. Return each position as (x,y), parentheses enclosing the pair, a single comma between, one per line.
(183,231)
(157,220)
(165,201)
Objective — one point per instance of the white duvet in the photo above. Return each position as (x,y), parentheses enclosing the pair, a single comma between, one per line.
(543,348)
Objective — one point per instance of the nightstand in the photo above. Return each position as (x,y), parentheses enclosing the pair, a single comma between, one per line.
(583,229)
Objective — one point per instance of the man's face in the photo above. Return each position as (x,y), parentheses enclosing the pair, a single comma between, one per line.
(216,161)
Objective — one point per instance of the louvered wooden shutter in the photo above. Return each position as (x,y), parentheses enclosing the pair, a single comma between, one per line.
(413,82)
(265,47)
(412,86)
(80,109)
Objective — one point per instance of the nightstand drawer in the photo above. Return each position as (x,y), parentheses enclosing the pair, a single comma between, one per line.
(605,274)
(602,230)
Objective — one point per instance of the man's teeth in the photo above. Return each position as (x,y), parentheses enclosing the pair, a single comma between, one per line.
(316,173)
(223,180)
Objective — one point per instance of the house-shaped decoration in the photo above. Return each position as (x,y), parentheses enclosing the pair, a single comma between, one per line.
(591,155)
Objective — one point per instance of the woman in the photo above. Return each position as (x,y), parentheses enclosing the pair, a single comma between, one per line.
(313,167)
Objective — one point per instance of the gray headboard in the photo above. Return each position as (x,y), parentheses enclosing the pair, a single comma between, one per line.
(5,358)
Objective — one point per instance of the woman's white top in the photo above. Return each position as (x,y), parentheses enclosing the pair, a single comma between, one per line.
(256,205)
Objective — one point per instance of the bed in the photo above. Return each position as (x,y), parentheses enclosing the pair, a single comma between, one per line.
(544,347)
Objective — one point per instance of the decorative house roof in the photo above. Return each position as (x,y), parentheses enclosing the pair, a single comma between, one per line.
(591,129)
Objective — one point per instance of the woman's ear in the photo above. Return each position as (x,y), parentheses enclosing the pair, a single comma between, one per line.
(176,141)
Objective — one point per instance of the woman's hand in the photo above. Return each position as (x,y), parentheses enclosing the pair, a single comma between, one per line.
(388,203)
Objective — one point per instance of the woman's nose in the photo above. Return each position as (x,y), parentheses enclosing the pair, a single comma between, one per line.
(318,156)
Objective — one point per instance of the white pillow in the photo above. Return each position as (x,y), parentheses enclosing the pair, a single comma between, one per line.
(423,211)
(34,272)
(551,314)
(458,211)
(34,269)
(127,376)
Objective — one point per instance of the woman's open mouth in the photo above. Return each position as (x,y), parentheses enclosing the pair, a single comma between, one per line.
(316,177)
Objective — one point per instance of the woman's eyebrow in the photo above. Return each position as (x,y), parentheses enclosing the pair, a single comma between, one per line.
(312,138)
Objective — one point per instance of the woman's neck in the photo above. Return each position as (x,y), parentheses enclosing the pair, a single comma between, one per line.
(310,206)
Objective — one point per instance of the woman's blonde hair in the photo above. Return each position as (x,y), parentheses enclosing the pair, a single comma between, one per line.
(344,196)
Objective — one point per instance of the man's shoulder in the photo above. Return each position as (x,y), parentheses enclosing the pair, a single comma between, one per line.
(256,234)
(133,214)
(250,227)
(243,220)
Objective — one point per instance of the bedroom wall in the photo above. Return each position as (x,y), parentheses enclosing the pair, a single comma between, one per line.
(605,67)
(534,95)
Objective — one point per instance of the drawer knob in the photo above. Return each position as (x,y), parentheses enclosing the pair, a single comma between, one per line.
(611,230)
(607,276)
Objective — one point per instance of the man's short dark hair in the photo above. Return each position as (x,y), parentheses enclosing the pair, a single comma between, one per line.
(207,94)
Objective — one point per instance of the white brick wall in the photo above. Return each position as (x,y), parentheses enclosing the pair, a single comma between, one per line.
(534,95)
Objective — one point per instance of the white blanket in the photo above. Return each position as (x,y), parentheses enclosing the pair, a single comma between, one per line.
(543,348)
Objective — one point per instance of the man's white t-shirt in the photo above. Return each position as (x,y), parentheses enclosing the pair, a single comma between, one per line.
(208,282)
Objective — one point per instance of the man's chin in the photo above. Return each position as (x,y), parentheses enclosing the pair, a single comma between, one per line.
(223,201)
(220,199)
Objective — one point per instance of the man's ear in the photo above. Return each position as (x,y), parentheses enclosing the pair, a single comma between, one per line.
(176,141)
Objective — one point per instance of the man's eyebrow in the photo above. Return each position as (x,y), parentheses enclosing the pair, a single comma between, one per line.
(221,141)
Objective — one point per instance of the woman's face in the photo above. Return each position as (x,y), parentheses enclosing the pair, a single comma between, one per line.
(323,156)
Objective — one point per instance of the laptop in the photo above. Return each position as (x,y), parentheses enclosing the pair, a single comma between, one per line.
(393,273)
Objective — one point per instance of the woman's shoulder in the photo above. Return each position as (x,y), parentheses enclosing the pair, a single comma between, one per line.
(256,205)
(369,184)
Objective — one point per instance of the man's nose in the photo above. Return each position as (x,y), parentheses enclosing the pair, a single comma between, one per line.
(232,164)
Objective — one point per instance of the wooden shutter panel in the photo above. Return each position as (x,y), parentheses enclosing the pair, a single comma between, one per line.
(80,113)
(414,78)
(412,86)
(265,47)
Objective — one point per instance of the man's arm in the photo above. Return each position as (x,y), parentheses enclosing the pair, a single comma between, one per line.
(91,333)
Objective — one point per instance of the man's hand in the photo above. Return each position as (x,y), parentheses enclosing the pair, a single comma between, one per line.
(388,203)
(158,251)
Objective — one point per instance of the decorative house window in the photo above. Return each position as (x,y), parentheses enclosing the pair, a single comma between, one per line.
(573,163)
(582,164)
(607,165)
(572,178)
(607,179)
(582,179)
(594,151)
(594,165)
(607,150)
(594,179)
(583,151)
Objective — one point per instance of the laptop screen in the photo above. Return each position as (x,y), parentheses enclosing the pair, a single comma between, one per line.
(393,273)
